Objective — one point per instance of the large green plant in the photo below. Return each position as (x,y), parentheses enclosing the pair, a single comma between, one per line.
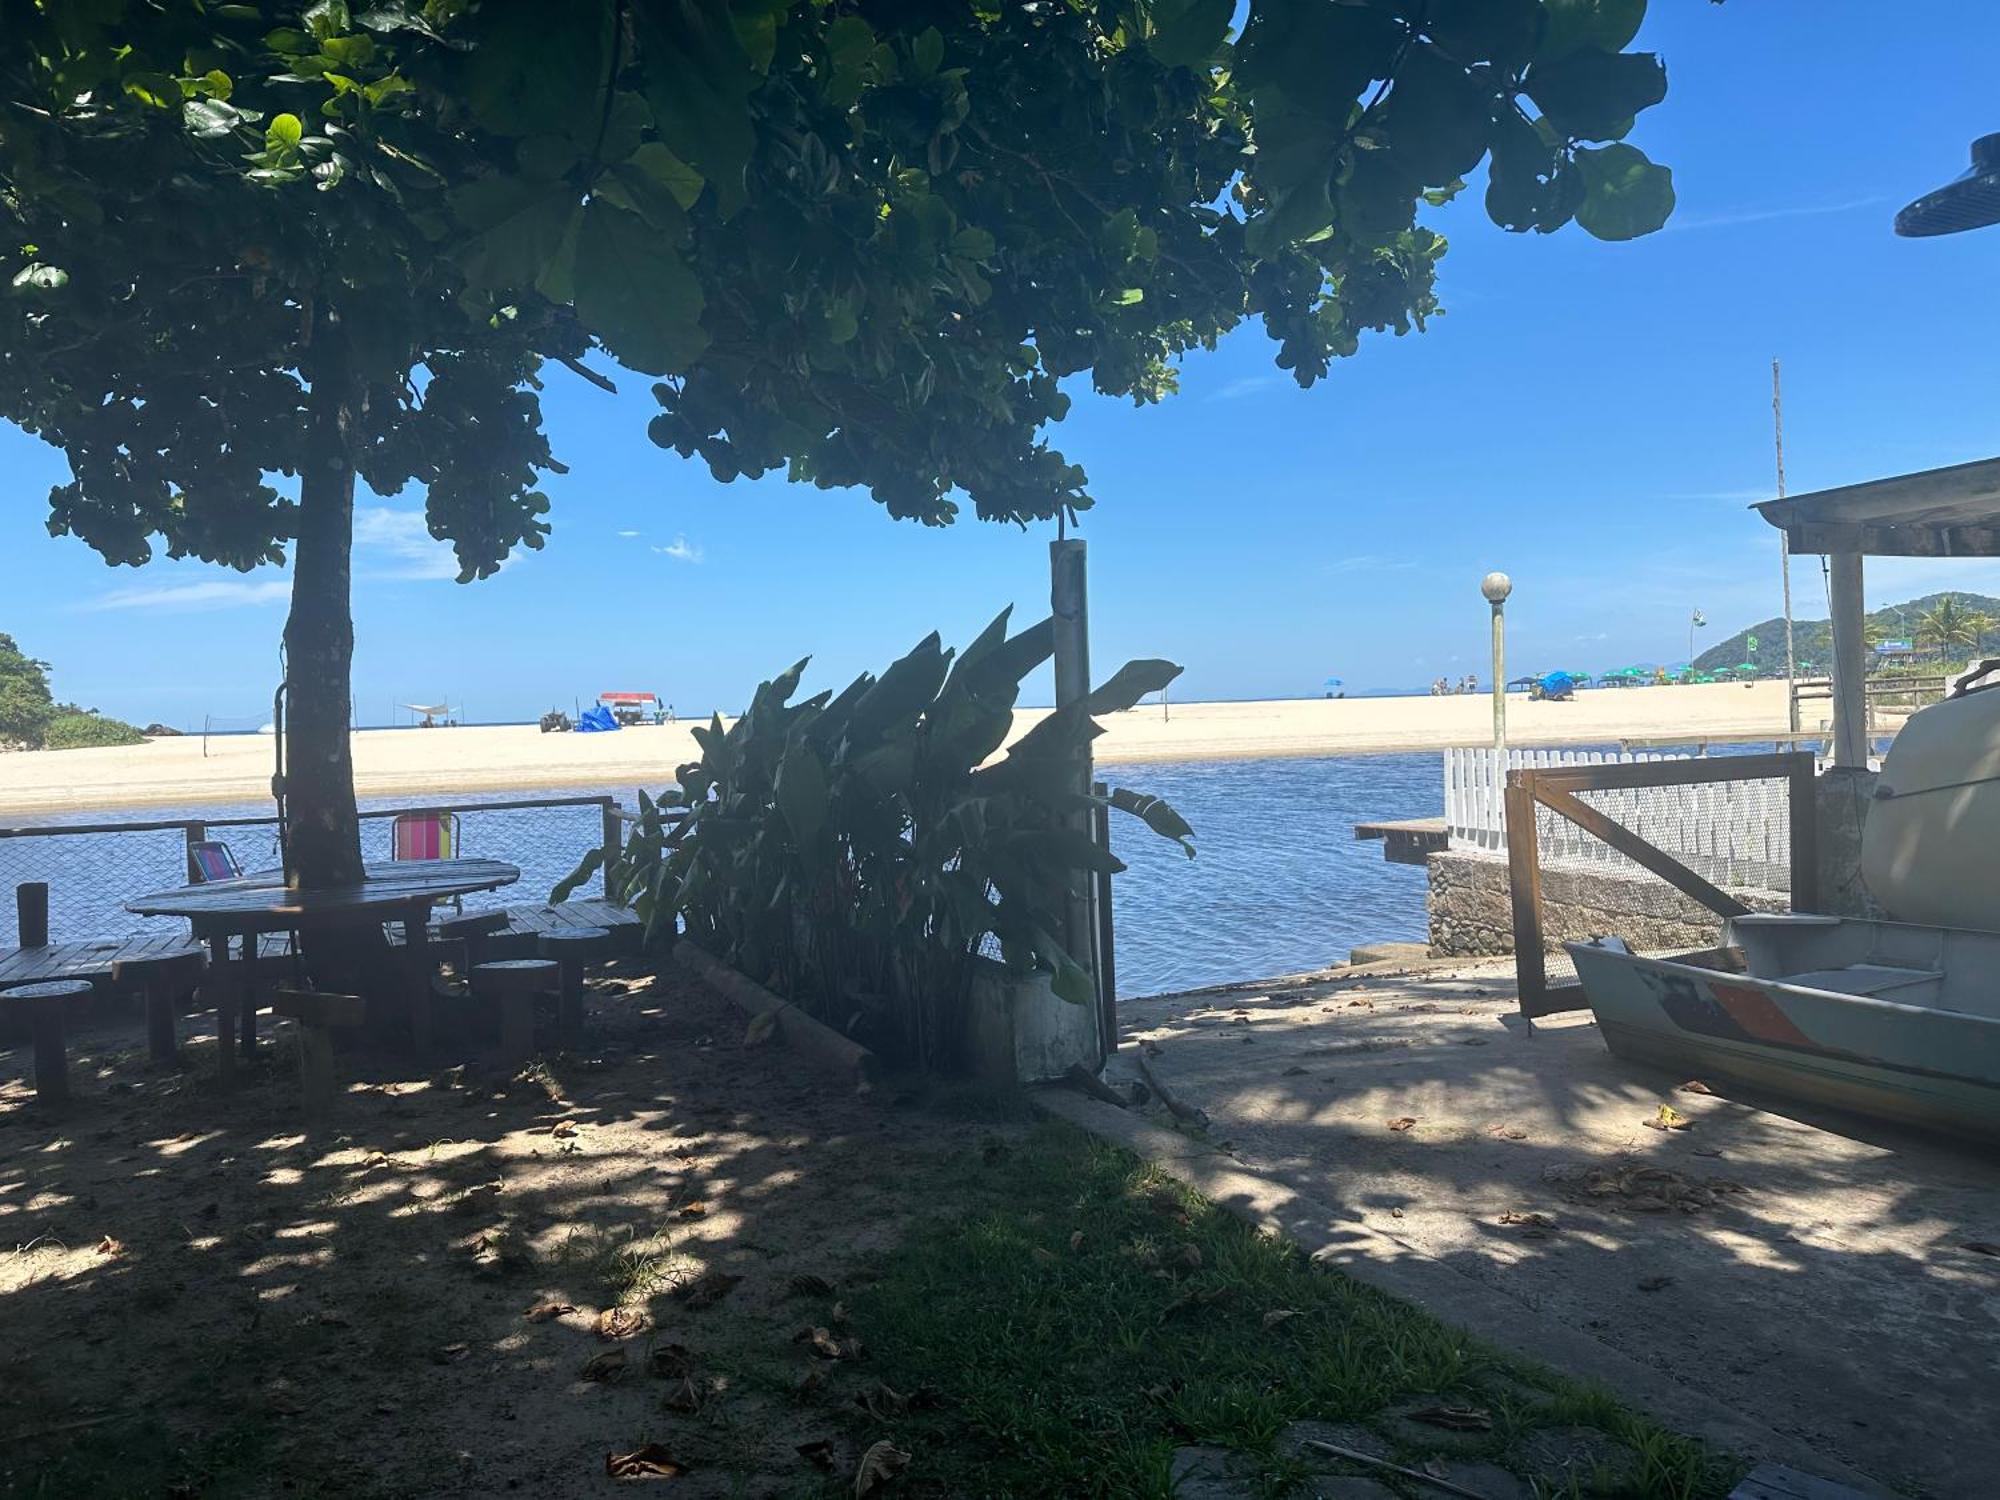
(25,705)
(858,850)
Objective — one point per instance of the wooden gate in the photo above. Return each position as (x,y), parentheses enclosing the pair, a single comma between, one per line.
(1557,790)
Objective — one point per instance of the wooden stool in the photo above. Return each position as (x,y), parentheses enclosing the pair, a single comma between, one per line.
(473,929)
(512,984)
(165,982)
(45,1004)
(317,1015)
(572,948)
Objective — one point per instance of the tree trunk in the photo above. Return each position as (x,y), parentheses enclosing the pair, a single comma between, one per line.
(324,844)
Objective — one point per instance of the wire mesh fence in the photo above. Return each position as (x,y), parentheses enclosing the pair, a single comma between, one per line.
(1655,854)
(92,870)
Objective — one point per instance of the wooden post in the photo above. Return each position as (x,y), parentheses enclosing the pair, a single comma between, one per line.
(1804,806)
(614,845)
(193,833)
(1107,941)
(1524,886)
(1069,605)
(31,913)
(1850,661)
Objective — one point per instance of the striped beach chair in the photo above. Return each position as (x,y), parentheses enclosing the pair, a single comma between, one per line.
(426,835)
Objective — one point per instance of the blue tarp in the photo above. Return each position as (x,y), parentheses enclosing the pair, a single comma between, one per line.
(595,720)
(1558,686)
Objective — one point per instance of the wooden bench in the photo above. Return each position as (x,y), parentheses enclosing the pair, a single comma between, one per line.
(573,948)
(166,980)
(317,1015)
(512,984)
(46,1004)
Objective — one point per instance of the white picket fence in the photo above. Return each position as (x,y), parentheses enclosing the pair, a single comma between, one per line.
(1735,833)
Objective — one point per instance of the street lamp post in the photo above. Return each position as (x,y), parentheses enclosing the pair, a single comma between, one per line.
(1496,587)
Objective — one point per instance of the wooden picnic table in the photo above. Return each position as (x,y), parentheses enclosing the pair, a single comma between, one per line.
(398,891)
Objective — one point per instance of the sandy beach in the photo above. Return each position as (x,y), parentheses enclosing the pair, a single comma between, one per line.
(499,758)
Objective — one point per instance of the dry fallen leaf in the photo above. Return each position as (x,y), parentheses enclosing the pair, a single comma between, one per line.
(1279,1315)
(562,1130)
(1457,1418)
(882,1403)
(1402,1123)
(451,1354)
(622,1322)
(541,1312)
(818,1453)
(761,1028)
(109,1246)
(609,1365)
(708,1289)
(822,1342)
(685,1396)
(1533,1226)
(669,1361)
(1669,1118)
(692,1211)
(1505,1131)
(1076,1239)
(1189,1256)
(647,1461)
(880,1464)
(1696,1086)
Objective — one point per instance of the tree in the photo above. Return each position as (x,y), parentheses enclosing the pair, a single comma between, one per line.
(863,242)
(25,705)
(1951,626)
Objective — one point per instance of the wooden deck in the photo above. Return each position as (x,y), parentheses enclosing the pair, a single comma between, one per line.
(1407,842)
(92,961)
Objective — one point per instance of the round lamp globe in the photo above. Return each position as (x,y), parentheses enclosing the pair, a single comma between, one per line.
(1496,587)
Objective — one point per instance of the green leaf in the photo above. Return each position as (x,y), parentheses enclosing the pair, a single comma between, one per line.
(1298,149)
(926,52)
(526,76)
(699,80)
(974,244)
(1129,684)
(1594,95)
(1129,296)
(1438,117)
(757,23)
(155,89)
(636,294)
(1530,182)
(211,119)
(655,162)
(284,131)
(514,227)
(850,58)
(1188,33)
(801,792)
(1157,814)
(571,883)
(1504,32)
(1580,25)
(1625,195)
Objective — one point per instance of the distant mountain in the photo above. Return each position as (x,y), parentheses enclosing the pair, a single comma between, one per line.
(1813,639)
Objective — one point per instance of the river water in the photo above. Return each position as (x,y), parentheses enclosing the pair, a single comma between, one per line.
(1280,883)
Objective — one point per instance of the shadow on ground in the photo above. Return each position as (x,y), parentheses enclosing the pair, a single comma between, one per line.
(1827,1277)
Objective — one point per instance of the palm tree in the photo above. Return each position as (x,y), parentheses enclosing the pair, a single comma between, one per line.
(1950,626)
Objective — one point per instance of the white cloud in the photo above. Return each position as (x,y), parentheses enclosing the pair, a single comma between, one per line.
(681,550)
(1729,219)
(404,542)
(1248,385)
(628,534)
(200,595)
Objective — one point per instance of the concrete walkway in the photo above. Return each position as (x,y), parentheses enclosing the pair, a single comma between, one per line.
(1821,1275)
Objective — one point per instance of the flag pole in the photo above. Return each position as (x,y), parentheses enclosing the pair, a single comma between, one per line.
(1785,552)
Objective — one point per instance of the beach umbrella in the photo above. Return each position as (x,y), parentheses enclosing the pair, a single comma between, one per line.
(1335,682)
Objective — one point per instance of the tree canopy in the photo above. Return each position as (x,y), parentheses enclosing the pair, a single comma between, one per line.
(25,704)
(858,242)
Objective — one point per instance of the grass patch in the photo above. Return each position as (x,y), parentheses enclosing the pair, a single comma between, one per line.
(1084,1316)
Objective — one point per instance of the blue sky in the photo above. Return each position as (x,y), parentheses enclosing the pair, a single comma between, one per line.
(1592,418)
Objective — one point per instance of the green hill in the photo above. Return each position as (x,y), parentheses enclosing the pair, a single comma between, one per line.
(1813,639)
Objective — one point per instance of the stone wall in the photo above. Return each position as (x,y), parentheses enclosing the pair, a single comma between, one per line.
(1471,913)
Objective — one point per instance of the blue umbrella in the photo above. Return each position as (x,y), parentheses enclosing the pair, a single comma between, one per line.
(1335,682)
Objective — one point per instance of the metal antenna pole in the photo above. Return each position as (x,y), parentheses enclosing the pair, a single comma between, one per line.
(1785,552)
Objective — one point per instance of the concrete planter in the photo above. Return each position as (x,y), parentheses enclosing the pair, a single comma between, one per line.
(1017,1031)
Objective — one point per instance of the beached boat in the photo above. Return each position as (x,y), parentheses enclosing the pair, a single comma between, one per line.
(1898,1018)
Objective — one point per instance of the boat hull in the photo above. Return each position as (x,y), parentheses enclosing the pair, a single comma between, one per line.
(1916,1064)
